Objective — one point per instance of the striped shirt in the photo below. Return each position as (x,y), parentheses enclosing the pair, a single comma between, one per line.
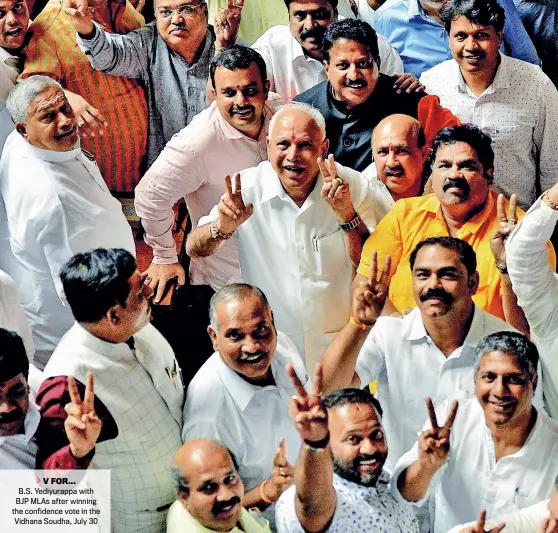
(53,51)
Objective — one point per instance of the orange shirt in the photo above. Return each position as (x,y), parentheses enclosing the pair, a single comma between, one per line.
(414,219)
(53,51)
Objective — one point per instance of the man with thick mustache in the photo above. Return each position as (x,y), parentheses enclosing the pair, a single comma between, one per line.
(240,396)
(210,492)
(356,96)
(513,101)
(495,451)
(340,482)
(461,167)
(294,52)
(300,220)
(57,204)
(429,352)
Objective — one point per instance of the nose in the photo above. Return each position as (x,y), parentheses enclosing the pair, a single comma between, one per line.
(391,159)
(433,282)
(471,43)
(11,18)
(64,120)
(352,72)
(455,172)
(250,344)
(366,447)
(176,17)
(239,99)
(225,493)
(309,22)
(6,406)
(499,387)
(292,152)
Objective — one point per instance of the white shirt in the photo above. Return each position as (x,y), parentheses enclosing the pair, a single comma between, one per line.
(518,111)
(472,479)
(536,287)
(358,509)
(193,165)
(400,354)
(297,256)
(384,199)
(527,520)
(57,205)
(249,420)
(365,12)
(291,72)
(19,451)
(8,77)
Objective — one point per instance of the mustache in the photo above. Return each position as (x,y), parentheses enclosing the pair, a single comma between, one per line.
(218,507)
(379,457)
(13,416)
(459,183)
(259,353)
(236,109)
(436,293)
(356,83)
(317,32)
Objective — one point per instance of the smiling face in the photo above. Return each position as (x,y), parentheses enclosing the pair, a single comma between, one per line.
(14,19)
(241,95)
(357,443)
(14,403)
(246,337)
(504,389)
(352,72)
(51,122)
(474,47)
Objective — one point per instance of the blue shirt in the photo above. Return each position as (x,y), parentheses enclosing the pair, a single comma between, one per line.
(423,43)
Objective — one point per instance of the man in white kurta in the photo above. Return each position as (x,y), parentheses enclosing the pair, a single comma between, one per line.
(137,379)
(57,204)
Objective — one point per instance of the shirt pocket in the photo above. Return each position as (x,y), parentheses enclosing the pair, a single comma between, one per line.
(511,138)
(330,254)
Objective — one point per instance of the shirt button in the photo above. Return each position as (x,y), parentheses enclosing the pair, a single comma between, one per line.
(300,247)
(347,142)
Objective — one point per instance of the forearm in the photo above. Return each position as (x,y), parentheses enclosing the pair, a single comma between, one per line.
(513,313)
(315,495)
(354,241)
(200,243)
(414,481)
(339,360)
(253,498)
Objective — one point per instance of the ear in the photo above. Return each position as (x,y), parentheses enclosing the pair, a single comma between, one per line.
(474,283)
(183,499)
(489,175)
(325,148)
(267,85)
(535,383)
(326,66)
(20,127)
(424,152)
(213,336)
(113,316)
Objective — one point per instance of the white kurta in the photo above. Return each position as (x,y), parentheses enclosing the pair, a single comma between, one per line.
(297,256)
(57,205)
(146,404)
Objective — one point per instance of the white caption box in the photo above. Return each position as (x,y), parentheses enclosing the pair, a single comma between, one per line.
(54,501)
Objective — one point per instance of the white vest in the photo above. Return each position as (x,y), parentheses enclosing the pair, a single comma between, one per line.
(147,406)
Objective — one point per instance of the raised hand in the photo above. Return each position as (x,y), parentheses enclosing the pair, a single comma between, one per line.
(549,525)
(158,276)
(479,526)
(335,191)
(306,410)
(282,475)
(232,211)
(507,223)
(78,12)
(370,296)
(82,425)
(90,121)
(408,83)
(227,22)
(434,444)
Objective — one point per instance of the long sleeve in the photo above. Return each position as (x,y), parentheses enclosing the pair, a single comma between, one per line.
(53,446)
(118,55)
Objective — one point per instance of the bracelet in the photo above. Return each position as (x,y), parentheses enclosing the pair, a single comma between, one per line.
(263,497)
(552,204)
(216,234)
(352,224)
(502,268)
(318,445)
(358,323)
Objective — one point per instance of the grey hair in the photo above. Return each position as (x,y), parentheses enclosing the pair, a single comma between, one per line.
(233,293)
(24,93)
(513,343)
(312,112)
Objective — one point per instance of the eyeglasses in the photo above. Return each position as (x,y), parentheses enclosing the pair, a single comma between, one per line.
(185,10)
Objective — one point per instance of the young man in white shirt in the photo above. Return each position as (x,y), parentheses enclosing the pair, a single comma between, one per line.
(293,53)
(429,352)
(500,444)
(511,100)
(300,229)
(57,204)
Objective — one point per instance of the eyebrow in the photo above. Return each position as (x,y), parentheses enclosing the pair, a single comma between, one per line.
(251,84)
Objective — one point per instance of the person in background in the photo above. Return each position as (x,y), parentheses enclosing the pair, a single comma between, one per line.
(57,204)
(113,109)
(294,52)
(360,9)
(210,492)
(170,56)
(511,100)
(416,30)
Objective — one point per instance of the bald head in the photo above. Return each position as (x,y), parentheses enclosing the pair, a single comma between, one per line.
(399,150)
(298,113)
(206,477)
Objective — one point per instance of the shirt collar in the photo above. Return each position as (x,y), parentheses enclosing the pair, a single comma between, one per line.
(298,51)
(415,9)
(32,419)
(51,156)
(246,521)
(4,55)
(98,345)
(502,79)
(232,133)
(358,489)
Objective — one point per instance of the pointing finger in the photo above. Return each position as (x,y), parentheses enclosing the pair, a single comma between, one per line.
(228,186)
(451,417)
(323,170)
(73,390)
(318,379)
(373,266)
(432,414)
(301,391)
(384,278)
(236,184)
(89,397)
(512,209)
(501,210)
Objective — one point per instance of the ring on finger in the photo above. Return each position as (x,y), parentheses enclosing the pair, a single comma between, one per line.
(282,472)
(513,221)
(339,180)
(147,278)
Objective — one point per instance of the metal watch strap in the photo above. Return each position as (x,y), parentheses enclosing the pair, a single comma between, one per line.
(216,235)
(352,224)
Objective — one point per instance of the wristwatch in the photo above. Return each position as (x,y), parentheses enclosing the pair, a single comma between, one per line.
(216,234)
(503,269)
(352,224)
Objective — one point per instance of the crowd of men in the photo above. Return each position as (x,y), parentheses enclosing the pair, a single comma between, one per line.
(372,188)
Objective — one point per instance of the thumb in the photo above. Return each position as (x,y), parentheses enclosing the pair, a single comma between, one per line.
(181,278)
(249,210)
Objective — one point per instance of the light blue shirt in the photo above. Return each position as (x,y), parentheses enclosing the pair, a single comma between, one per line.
(423,43)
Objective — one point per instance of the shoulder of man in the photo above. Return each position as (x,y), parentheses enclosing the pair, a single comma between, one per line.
(316,96)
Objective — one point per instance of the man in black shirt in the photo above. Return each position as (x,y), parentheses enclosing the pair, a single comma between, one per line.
(356,97)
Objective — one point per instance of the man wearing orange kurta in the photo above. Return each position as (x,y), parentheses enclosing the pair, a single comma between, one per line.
(52,51)
(462,205)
